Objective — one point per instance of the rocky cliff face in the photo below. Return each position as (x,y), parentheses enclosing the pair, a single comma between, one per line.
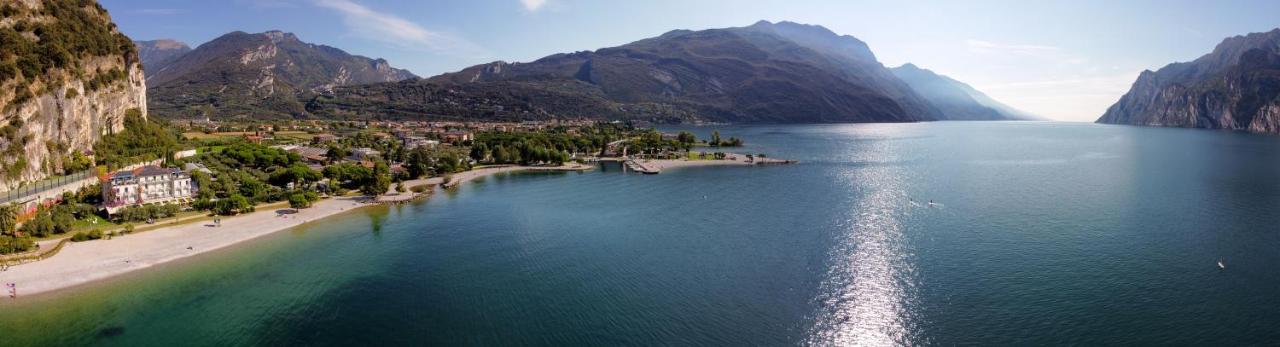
(51,108)
(1236,87)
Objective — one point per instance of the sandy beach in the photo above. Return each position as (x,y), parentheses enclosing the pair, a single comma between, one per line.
(84,262)
(468,176)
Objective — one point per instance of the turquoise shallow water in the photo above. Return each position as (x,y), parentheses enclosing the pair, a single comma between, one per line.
(1043,233)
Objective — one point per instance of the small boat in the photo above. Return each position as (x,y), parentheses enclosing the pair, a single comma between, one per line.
(1221,265)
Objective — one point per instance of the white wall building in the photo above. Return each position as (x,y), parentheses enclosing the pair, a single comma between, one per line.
(146,185)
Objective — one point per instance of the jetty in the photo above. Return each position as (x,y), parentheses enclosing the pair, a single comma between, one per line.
(639,166)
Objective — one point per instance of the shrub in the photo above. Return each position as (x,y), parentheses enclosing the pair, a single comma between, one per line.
(9,244)
(86,236)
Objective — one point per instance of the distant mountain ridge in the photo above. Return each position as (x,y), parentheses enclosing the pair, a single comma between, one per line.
(767,72)
(155,54)
(260,75)
(1236,86)
(955,99)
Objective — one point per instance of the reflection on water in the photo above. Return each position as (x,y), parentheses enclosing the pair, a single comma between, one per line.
(866,297)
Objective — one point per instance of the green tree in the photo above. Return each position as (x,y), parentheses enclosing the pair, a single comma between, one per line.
(299,200)
(379,181)
(8,219)
(686,140)
(335,154)
(235,204)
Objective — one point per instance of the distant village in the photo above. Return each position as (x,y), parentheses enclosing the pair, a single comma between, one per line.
(155,169)
(310,140)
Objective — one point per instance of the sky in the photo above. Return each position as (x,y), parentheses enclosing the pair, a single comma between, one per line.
(1065,60)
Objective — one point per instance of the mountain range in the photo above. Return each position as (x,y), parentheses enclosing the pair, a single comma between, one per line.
(1236,87)
(767,72)
(956,100)
(263,75)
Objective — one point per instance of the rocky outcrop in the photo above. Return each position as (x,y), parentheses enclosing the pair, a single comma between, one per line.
(1236,87)
(51,111)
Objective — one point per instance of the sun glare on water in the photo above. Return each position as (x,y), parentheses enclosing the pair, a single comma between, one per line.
(865,299)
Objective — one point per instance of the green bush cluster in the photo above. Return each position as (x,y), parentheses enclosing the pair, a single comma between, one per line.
(104,78)
(146,212)
(77,26)
(10,244)
(56,220)
(142,139)
(371,182)
(86,236)
(303,199)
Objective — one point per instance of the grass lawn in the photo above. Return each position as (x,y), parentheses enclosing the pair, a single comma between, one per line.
(698,156)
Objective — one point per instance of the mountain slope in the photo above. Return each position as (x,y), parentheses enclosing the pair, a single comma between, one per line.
(67,76)
(1237,86)
(766,72)
(258,75)
(155,54)
(955,99)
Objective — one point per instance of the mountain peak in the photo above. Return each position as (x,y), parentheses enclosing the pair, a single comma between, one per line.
(278,36)
(909,66)
(261,74)
(155,54)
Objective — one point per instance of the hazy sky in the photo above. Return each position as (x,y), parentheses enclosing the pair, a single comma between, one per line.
(1066,60)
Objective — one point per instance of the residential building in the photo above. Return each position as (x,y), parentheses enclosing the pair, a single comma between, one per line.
(363,154)
(457,136)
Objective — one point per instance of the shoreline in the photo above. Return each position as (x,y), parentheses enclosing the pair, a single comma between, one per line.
(85,263)
(82,263)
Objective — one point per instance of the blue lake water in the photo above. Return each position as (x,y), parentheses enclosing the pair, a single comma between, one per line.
(1041,233)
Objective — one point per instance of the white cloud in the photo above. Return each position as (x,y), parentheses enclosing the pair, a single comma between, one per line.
(390,29)
(533,5)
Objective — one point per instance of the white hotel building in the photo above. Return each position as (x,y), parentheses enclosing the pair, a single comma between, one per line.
(146,185)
